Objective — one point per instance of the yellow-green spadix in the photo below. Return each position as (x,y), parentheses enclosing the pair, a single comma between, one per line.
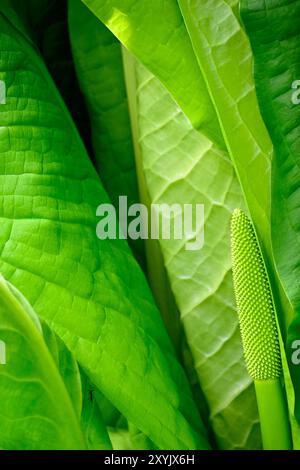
(259,331)
(254,302)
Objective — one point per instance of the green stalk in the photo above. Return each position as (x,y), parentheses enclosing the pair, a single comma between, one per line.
(259,332)
(273,412)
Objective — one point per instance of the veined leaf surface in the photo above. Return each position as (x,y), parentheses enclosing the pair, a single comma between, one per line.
(273,28)
(90,292)
(203,57)
(155,33)
(183,166)
(224,56)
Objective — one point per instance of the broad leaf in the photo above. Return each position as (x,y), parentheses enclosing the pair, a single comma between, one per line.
(155,32)
(36,411)
(90,292)
(273,27)
(157,275)
(182,165)
(100,72)
(81,395)
(224,56)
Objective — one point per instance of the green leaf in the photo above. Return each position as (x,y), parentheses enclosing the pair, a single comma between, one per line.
(90,292)
(36,411)
(273,27)
(155,33)
(63,359)
(157,275)
(100,73)
(116,424)
(182,165)
(224,56)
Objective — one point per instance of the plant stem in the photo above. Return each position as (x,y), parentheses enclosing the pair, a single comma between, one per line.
(273,412)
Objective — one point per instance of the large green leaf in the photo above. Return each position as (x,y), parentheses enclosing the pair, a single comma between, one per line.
(156,271)
(224,56)
(81,394)
(118,17)
(155,32)
(273,27)
(91,292)
(100,73)
(36,411)
(182,166)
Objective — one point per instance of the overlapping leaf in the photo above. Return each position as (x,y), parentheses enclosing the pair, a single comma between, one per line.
(181,165)
(156,34)
(224,56)
(273,27)
(36,411)
(91,293)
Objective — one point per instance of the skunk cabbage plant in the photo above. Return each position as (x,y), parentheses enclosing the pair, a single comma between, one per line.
(130,133)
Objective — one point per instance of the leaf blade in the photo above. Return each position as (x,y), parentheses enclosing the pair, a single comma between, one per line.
(31,389)
(91,293)
(180,164)
(158,37)
(275,39)
(226,63)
